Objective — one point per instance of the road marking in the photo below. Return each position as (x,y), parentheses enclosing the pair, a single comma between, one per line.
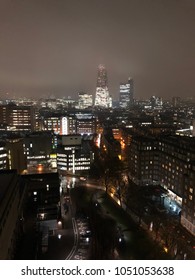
(74,248)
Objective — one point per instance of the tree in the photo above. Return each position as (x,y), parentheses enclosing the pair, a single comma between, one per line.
(111,169)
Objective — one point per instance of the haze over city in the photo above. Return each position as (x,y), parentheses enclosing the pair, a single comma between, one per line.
(53,47)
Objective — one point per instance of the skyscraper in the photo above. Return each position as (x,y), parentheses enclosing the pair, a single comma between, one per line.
(102,97)
(126,97)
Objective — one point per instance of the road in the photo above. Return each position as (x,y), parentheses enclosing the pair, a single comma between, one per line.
(171,214)
(80,244)
(72,245)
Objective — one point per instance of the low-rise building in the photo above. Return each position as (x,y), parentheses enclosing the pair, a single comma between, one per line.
(39,148)
(74,154)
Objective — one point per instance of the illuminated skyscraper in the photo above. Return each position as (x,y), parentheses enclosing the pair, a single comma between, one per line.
(126,94)
(102,97)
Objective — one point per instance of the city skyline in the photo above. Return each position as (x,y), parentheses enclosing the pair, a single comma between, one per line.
(54,47)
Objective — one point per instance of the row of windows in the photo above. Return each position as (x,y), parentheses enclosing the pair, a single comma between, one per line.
(71,164)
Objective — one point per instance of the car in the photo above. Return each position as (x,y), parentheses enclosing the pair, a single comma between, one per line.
(82,178)
(86,234)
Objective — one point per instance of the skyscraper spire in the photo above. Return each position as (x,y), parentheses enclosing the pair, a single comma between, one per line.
(102,80)
(102,97)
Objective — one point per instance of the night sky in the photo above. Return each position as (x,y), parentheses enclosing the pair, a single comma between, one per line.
(53,47)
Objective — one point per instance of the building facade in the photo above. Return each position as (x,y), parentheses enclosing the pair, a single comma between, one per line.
(39,149)
(102,96)
(3,156)
(143,160)
(20,118)
(74,154)
(85,123)
(11,204)
(68,125)
(52,124)
(85,100)
(168,161)
(188,204)
(16,154)
(126,94)
(78,123)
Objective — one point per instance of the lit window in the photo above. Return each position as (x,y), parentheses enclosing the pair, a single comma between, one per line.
(191,190)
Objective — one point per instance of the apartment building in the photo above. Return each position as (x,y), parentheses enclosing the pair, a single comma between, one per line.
(168,161)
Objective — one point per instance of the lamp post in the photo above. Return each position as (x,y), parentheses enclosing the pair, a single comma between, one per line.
(73,161)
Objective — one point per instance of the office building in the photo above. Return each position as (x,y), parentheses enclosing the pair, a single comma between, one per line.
(39,148)
(78,123)
(156,102)
(85,100)
(68,125)
(74,153)
(126,95)
(52,123)
(20,118)
(85,123)
(102,96)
